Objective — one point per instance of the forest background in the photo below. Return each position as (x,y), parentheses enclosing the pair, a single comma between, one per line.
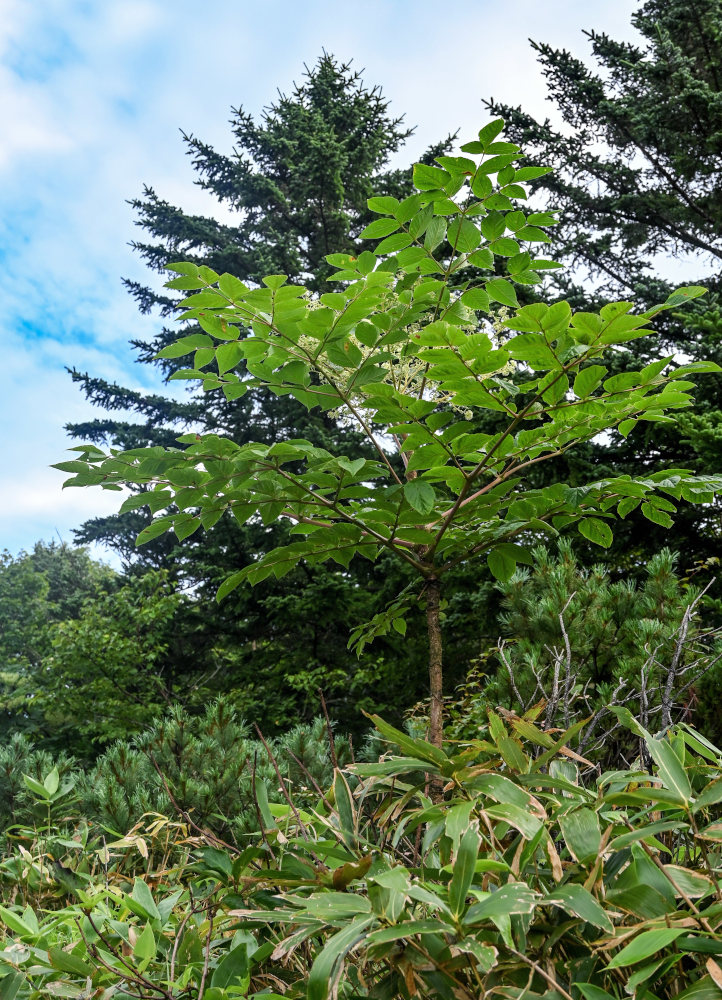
(90,655)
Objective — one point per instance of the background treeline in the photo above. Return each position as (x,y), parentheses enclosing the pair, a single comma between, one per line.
(89,656)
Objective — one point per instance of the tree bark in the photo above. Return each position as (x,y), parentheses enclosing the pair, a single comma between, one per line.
(436,673)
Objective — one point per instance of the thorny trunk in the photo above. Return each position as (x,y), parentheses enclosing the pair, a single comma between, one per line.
(433,621)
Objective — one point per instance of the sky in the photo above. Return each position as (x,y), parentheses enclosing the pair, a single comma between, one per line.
(93,95)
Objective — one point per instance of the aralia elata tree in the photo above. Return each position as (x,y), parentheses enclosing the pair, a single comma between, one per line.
(409,352)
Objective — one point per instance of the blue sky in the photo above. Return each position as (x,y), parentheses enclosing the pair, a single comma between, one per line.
(92,97)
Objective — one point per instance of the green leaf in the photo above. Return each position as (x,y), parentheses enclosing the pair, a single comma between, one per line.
(233,970)
(463,235)
(581,832)
(144,949)
(186,345)
(154,530)
(393,243)
(36,787)
(379,228)
(228,355)
(644,945)
(142,895)
(530,173)
(463,871)
(383,205)
(10,985)
(657,516)
(670,769)
(66,961)
(596,531)
(415,748)
(483,259)
(420,495)
(16,923)
(230,584)
(522,820)
(476,298)
(501,290)
(232,286)
(532,348)
(52,781)
(275,281)
(489,132)
(512,898)
(345,806)
(501,564)
(493,226)
(685,294)
(588,379)
(435,232)
(328,966)
(577,900)
(428,178)
(591,992)
(709,796)
(690,883)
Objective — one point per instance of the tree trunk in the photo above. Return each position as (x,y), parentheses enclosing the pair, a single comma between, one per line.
(436,675)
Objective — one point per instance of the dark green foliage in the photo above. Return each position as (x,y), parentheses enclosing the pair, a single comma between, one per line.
(526,878)
(637,170)
(576,641)
(197,769)
(38,590)
(18,757)
(637,179)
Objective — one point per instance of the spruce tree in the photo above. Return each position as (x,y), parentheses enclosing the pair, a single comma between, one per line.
(637,180)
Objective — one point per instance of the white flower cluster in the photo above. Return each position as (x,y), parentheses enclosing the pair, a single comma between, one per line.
(406,372)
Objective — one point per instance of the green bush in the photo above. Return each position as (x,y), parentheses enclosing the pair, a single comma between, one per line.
(575,641)
(523,881)
(202,767)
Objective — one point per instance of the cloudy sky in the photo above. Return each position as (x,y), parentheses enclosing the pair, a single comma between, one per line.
(92,96)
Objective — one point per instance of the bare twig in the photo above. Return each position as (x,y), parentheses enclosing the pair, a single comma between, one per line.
(329,730)
(206,960)
(677,656)
(567,662)
(514,688)
(284,790)
(259,817)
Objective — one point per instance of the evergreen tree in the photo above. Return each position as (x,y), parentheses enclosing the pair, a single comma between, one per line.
(637,179)
(637,170)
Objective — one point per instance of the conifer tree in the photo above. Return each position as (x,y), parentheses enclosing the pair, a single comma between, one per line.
(637,180)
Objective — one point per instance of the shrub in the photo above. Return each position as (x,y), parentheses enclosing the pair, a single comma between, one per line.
(525,881)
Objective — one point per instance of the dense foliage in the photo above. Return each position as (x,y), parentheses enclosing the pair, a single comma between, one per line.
(479,443)
(638,185)
(580,642)
(529,877)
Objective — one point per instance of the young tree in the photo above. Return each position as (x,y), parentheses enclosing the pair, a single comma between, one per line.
(293,190)
(404,351)
(296,184)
